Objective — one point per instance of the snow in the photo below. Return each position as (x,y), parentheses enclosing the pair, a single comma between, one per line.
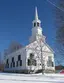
(31,78)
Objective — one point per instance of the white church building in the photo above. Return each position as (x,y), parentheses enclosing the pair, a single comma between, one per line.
(37,56)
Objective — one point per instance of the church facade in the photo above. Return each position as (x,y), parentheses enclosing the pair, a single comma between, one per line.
(37,56)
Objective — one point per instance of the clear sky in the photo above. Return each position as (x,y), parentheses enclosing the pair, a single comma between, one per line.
(16,18)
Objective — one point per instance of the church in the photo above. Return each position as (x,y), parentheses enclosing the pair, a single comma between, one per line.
(35,57)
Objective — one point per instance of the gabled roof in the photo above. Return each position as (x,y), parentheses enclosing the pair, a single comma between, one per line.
(44,43)
(49,47)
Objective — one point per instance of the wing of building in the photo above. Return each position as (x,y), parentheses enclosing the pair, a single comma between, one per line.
(37,56)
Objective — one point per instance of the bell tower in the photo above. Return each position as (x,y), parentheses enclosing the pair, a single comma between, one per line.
(36,30)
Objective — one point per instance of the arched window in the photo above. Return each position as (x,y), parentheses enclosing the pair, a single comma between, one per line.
(37,24)
(34,24)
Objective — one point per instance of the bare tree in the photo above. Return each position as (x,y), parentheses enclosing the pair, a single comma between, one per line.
(38,50)
(0,57)
(60,30)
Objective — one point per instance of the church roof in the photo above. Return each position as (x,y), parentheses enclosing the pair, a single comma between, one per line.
(49,47)
(34,44)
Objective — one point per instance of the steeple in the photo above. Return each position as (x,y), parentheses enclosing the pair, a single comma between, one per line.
(36,21)
(36,30)
(36,14)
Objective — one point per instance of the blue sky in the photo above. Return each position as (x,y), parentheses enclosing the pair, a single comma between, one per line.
(16,18)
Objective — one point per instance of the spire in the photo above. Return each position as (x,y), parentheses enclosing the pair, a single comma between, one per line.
(36,21)
(36,14)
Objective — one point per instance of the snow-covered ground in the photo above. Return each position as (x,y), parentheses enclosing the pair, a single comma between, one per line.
(31,78)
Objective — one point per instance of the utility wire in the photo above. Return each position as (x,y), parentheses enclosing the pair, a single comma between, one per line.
(55,5)
(58,62)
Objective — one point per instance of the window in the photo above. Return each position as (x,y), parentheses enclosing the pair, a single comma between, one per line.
(31,55)
(12,59)
(34,24)
(34,62)
(19,57)
(16,63)
(28,62)
(49,62)
(31,62)
(11,65)
(37,24)
(52,64)
(20,62)
(7,63)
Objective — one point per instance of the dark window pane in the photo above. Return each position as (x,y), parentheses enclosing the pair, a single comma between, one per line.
(31,55)
(17,63)
(12,59)
(13,64)
(19,57)
(28,62)
(20,62)
(34,24)
(32,62)
(52,64)
(7,61)
(37,24)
